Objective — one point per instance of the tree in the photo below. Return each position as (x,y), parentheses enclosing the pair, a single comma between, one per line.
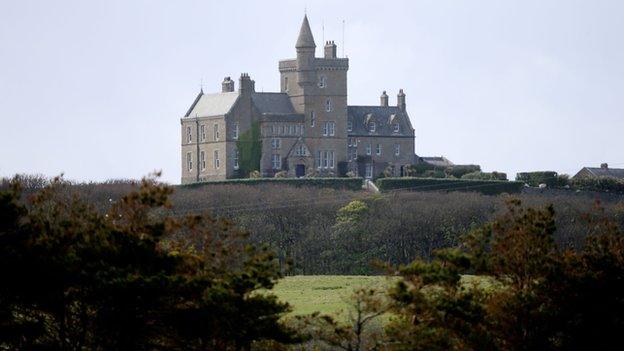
(135,277)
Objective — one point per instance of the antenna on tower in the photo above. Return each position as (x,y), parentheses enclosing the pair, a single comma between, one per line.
(201,85)
(343,38)
(323,26)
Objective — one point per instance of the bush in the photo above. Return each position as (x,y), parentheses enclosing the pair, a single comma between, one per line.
(603,184)
(433,184)
(459,171)
(329,182)
(549,178)
(485,175)
(281,174)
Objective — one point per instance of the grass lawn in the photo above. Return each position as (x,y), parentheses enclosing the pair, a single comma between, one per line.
(328,294)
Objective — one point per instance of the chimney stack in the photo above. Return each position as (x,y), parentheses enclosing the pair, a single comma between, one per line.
(227,86)
(245,84)
(604,166)
(384,99)
(401,100)
(330,49)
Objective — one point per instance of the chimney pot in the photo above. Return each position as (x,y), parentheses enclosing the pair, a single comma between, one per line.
(604,165)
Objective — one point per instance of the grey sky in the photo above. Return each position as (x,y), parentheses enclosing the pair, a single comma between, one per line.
(95,89)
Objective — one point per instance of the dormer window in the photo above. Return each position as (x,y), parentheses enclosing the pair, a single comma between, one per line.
(372,127)
(328,106)
(322,82)
(397,128)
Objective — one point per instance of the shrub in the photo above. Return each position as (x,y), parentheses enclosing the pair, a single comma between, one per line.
(327,182)
(603,184)
(485,175)
(549,178)
(281,174)
(458,171)
(434,184)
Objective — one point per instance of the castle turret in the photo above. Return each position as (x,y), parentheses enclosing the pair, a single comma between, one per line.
(401,100)
(227,85)
(330,50)
(384,99)
(305,54)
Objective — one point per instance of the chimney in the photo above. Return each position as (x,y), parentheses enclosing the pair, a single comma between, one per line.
(401,100)
(245,84)
(330,49)
(604,165)
(384,99)
(227,86)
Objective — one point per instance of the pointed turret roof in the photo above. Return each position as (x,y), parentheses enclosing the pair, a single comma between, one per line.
(305,39)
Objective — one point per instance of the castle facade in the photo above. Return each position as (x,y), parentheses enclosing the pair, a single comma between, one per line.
(306,129)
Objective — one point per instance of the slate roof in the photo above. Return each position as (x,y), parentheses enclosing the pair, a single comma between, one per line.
(606,172)
(208,105)
(384,118)
(272,103)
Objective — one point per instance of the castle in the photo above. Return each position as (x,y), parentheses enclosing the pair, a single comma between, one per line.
(307,129)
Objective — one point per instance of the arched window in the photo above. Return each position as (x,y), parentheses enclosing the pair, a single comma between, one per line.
(328,106)
(322,81)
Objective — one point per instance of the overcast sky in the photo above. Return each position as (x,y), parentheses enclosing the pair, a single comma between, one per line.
(96,89)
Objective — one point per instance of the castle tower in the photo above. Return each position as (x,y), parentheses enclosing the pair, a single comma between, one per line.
(317,87)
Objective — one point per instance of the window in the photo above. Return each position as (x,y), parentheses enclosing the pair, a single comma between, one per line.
(328,106)
(300,151)
(189,135)
(349,126)
(189,161)
(276,143)
(276,161)
(378,149)
(236,131)
(202,160)
(369,171)
(216,159)
(273,129)
(352,154)
(297,129)
(292,129)
(282,130)
(352,142)
(322,82)
(312,118)
(215,132)
(397,149)
(286,84)
(329,129)
(236,156)
(368,149)
(372,127)
(325,159)
(203,132)
(397,127)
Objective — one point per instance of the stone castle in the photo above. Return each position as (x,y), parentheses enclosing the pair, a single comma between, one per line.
(307,129)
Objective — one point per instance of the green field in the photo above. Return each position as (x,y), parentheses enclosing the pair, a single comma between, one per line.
(328,294)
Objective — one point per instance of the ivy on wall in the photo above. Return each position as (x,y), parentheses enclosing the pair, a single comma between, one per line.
(249,148)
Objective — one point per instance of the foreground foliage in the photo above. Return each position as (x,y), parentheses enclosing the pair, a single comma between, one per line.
(132,278)
(544,297)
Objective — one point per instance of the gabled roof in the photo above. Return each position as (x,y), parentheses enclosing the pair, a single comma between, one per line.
(208,105)
(384,118)
(606,172)
(305,39)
